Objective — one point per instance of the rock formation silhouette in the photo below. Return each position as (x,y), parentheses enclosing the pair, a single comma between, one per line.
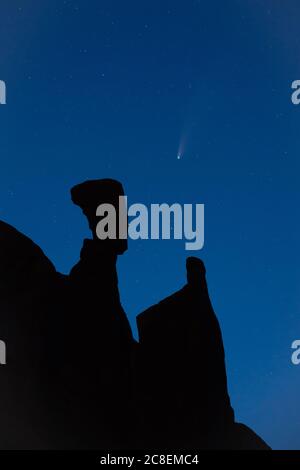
(75,377)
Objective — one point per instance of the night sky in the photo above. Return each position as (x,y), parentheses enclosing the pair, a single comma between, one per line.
(115,88)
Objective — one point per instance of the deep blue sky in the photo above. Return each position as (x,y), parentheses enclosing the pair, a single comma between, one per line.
(111,88)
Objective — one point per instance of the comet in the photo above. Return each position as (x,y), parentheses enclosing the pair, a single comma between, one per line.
(182,146)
